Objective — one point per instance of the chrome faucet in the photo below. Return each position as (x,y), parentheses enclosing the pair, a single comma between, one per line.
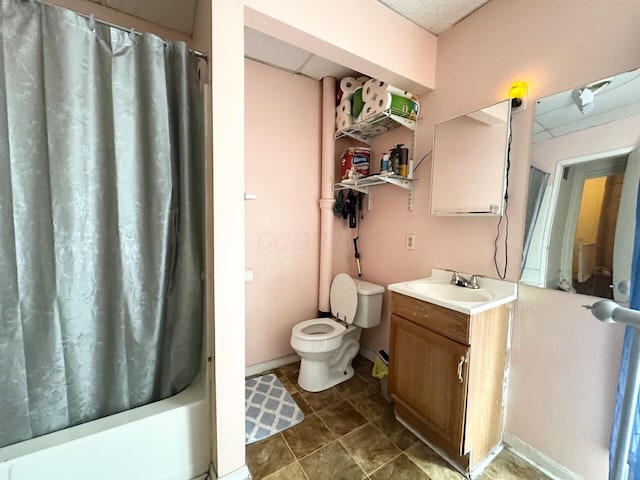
(460,281)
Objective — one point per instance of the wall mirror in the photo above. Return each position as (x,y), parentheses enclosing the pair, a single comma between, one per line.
(583,185)
(468,173)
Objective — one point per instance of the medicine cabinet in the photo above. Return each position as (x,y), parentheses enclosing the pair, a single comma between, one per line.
(470,162)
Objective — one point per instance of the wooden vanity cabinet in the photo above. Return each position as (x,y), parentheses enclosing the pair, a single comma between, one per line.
(447,375)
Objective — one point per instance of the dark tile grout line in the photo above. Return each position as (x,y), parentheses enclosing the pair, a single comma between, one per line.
(336,437)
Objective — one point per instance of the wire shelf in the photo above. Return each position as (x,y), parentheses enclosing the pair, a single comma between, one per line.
(363,185)
(382,122)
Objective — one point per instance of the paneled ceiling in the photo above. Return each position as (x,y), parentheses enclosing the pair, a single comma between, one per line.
(559,114)
(435,16)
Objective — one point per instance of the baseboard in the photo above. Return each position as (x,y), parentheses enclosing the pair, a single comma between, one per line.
(270,365)
(538,459)
(239,474)
(368,354)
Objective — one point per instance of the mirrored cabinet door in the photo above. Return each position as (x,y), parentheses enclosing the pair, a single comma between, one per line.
(469,164)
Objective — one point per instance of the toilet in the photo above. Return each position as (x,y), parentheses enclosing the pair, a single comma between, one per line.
(327,346)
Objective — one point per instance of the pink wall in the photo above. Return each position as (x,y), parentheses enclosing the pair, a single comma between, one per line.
(563,363)
(282,166)
(403,54)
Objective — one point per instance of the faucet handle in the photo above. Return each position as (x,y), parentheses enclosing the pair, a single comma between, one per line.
(455,278)
(473,281)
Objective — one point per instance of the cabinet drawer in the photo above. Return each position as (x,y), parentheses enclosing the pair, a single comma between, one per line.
(451,324)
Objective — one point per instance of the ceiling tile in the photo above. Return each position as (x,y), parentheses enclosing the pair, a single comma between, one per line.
(272,51)
(559,115)
(318,67)
(434,15)
(174,14)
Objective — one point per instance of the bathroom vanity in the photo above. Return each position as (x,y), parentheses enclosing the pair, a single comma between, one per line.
(448,361)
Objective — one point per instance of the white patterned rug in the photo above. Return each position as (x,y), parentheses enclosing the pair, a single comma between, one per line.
(268,408)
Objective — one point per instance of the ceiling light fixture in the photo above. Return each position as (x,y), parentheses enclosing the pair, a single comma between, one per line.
(585,96)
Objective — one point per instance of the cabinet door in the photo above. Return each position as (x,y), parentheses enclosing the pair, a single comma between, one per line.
(469,164)
(428,375)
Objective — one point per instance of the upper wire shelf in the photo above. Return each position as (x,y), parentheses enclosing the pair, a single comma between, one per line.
(382,122)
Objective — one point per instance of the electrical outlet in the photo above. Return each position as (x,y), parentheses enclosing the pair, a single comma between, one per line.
(410,241)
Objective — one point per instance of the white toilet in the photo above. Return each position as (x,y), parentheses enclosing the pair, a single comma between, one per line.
(326,346)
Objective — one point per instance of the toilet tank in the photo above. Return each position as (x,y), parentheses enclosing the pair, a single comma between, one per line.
(369,311)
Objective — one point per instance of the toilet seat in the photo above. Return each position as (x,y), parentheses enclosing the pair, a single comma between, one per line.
(343,298)
(318,329)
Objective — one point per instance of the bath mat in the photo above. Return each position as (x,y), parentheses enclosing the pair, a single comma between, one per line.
(268,408)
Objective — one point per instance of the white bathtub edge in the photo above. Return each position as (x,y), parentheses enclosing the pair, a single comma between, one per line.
(166,440)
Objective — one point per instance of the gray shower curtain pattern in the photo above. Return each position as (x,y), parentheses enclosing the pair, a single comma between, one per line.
(100,219)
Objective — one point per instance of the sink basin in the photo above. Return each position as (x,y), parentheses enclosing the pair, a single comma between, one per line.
(438,290)
(448,292)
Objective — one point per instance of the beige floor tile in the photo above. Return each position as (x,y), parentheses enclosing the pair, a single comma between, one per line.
(288,384)
(400,468)
(368,378)
(308,436)
(304,406)
(352,386)
(342,418)
(331,462)
(430,463)
(507,466)
(290,370)
(396,432)
(268,456)
(321,400)
(371,405)
(292,472)
(369,447)
(362,365)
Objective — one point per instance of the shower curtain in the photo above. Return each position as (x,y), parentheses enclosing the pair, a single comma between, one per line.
(634,303)
(101,198)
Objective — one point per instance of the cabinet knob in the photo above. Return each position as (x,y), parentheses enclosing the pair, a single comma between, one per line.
(460,364)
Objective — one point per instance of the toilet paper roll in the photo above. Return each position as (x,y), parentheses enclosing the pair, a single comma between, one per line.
(369,110)
(395,104)
(343,121)
(345,106)
(372,89)
(348,85)
(401,93)
(362,80)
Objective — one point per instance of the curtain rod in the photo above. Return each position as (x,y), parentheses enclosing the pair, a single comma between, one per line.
(92,18)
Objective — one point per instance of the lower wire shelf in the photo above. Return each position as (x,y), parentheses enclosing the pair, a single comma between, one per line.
(364,185)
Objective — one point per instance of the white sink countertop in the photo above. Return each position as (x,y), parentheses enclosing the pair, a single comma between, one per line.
(438,290)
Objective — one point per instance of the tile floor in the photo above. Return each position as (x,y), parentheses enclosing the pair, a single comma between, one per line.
(349,433)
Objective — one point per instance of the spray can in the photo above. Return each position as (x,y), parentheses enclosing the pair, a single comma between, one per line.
(403,159)
(394,161)
(384,163)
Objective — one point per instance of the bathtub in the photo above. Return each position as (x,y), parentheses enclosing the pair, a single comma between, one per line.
(165,440)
